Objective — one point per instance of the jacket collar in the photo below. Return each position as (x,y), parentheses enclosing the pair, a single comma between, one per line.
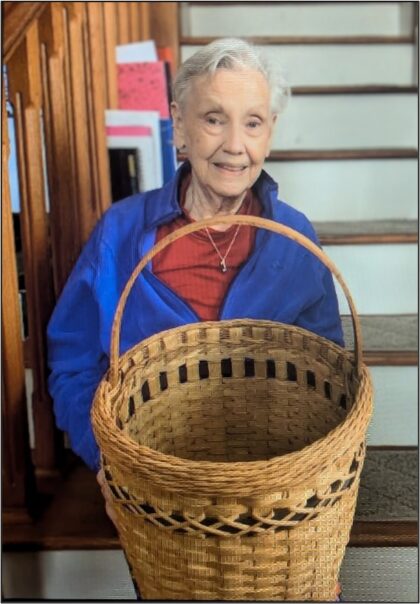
(165,205)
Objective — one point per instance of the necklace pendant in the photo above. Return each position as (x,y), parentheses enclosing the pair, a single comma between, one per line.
(223,265)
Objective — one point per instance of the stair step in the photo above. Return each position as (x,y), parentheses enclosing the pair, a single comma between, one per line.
(287,18)
(388,486)
(384,333)
(395,403)
(341,191)
(348,122)
(367,231)
(382,278)
(375,574)
(354,64)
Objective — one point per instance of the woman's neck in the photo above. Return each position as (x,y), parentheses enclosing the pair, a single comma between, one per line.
(201,203)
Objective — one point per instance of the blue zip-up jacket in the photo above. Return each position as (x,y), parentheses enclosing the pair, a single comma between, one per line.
(280,281)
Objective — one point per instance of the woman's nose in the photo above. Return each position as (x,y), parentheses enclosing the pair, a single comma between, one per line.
(234,141)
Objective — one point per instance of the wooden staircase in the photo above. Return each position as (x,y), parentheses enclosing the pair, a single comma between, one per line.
(336,158)
(359,189)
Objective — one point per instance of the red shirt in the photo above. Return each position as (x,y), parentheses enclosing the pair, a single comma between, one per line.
(191,266)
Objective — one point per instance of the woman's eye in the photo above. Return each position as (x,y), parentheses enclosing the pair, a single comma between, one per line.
(213,121)
(254,124)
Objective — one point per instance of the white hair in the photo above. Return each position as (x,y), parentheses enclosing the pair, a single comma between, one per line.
(231,53)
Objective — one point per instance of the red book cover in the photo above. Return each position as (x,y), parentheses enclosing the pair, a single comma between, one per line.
(142,86)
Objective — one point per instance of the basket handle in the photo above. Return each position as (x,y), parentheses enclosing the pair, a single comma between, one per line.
(254,221)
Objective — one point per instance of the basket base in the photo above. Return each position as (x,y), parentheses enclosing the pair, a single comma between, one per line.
(301,564)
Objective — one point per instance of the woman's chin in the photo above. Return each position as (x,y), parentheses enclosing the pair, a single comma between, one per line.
(232,193)
(230,188)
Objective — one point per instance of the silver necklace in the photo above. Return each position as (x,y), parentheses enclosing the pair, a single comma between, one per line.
(223,265)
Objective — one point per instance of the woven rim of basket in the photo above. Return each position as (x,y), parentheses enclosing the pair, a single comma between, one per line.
(246,477)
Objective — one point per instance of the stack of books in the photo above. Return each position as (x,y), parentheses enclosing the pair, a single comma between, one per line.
(139,133)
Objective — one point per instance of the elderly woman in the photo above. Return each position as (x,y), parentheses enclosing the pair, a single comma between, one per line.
(226,104)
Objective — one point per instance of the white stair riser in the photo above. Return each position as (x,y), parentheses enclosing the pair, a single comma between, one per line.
(349,190)
(382,278)
(348,122)
(339,64)
(367,575)
(285,19)
(394,420)
(380,574)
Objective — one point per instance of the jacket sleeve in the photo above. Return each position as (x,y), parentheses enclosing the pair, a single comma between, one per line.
(75,358)
(322,316)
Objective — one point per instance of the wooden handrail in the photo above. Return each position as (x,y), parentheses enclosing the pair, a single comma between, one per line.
(17,18)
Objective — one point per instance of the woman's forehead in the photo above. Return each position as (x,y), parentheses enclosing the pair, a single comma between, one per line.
(225,86)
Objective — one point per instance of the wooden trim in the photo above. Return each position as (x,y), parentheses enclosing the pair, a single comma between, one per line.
(110,37)
(369,238)
(16,516)
(17,18)
(97,92)
(163,26)
(25,86)
(27,353)
(86,200)
(303,40)
(402,448)
(363,534)
(341,154)
(144,16)
(134,21)
(123,20)
(396,358)
(60,168)
(356,89)
(386,533)
(333,154)
(18,476)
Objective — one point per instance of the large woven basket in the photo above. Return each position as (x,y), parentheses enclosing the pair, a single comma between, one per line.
(234,450)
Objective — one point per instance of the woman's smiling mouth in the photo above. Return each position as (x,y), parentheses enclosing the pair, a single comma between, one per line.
(230,168)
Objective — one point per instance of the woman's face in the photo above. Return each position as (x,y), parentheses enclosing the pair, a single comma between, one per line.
(226,125)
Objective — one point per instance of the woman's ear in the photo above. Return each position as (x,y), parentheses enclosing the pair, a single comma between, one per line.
(178,124)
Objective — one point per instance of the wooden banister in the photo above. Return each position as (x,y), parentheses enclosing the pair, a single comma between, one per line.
(17,18)
(61,76)
(25,92)
(17,469)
